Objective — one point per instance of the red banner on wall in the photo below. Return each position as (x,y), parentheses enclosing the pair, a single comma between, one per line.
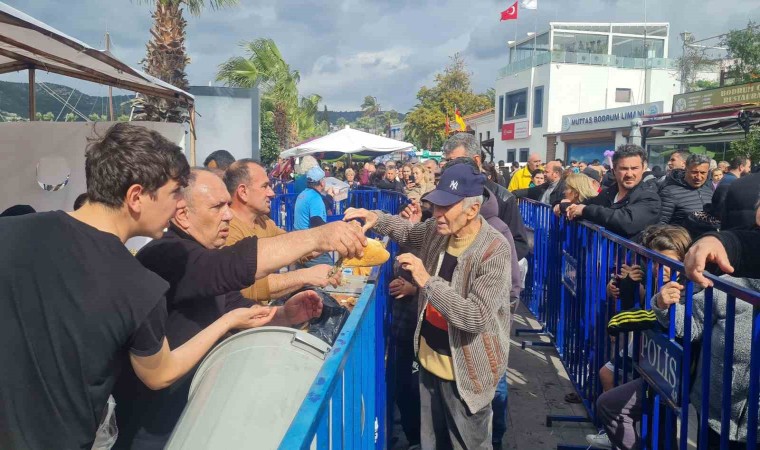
(507,131)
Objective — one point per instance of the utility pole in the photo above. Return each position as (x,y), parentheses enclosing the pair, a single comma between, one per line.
(110,89)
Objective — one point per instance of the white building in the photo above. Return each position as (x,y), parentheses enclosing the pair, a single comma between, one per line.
(483,125)
(574,68)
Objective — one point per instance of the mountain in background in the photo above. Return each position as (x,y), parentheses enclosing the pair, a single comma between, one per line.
(14,99)
(350,116)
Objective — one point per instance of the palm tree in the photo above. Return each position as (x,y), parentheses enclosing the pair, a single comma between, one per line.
(166,56)
(306,122)
(265,67)
(370,107)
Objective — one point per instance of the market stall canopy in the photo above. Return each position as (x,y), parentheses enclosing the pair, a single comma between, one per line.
(347,141)
(26,43)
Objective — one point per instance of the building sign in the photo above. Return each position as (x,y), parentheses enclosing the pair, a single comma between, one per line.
(745,93)
(609,118)
(660,364)
(515,130)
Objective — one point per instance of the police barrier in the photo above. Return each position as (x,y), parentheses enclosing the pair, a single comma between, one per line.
(572,264)
(348,404)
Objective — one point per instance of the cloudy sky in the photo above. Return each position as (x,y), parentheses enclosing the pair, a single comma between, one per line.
(346,49)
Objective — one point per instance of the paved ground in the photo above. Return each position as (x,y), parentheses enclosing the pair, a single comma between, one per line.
(538,384)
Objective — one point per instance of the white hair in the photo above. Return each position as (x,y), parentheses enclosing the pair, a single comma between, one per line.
(470,201)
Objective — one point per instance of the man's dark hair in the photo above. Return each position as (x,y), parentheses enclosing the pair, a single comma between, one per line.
(695,159)
(595,162)
(736,162)
(683,154)
(18,210)
(223,159)
(559,160)
(127,155)
(80,200)
(539,172)
(237,174)
(628,151)
(461,160)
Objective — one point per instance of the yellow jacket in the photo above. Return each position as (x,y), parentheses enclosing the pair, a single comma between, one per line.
(520,179)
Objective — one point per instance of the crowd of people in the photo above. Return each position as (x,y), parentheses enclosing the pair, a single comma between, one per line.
(83,319)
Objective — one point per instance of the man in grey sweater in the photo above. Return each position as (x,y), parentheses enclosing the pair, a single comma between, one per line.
(462,335)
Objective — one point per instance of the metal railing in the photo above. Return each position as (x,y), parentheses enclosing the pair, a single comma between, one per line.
(348,404)
(592,59)
(570,268)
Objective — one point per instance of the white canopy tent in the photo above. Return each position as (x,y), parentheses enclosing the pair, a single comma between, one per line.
(348,141)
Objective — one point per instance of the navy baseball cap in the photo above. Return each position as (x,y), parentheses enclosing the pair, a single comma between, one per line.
(457,182)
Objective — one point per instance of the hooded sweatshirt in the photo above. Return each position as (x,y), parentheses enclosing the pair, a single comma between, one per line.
(490,211)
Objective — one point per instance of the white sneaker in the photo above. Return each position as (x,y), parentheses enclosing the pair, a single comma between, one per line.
(599,440)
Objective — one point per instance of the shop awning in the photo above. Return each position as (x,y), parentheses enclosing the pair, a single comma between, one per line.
(347,141)
(26,43)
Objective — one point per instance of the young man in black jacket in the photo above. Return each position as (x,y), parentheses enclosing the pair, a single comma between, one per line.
(630,205)
(204,282)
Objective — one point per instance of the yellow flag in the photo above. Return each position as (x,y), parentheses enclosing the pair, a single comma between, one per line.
(460,121)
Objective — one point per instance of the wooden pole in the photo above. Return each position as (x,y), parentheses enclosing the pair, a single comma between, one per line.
(192,135)
(32,99)
(110,89)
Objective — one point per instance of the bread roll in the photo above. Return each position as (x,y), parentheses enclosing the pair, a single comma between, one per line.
(374,255)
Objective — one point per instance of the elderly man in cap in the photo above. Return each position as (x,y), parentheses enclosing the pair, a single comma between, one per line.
(462,336)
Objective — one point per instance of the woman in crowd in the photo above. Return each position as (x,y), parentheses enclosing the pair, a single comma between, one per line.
(379,175)
(578,188)
(350,177)
(422,179)
(406,173)
(716,175)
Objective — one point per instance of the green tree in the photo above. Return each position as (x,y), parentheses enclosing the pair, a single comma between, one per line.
(70,117)
(705,84)
(265,67)
(341,123)
(695,60)
(744,47)
(48,117)
(453,89)
(166,57)
(270,149)
(748,147)
(326,117)
(308,126)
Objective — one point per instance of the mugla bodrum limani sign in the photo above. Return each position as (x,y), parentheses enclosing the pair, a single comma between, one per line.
(607,119)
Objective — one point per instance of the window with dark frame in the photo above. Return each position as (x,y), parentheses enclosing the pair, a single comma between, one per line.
(516,104)
(501,110)
(511,155)
(623,95)
(538,107)
(524,154)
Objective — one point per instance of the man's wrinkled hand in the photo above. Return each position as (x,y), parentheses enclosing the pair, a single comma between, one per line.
(399,288)
(302,307)
(706,250)
(368,217)
(415,266)
(346,238)
(321,275)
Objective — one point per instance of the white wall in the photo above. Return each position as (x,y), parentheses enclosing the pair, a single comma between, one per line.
(575,88)
(228,122)
(25,144)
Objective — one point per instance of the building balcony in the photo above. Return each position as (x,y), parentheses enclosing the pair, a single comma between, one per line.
(591,59)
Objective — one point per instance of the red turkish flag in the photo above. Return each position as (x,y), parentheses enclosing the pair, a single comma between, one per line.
(510,13)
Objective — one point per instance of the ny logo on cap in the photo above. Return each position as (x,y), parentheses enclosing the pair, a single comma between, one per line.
(454,185)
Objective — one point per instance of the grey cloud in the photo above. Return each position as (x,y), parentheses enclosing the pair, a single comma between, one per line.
(344,49)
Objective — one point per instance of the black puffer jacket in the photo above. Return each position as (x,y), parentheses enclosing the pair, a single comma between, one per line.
(679,198)
(629,216)
(509,213)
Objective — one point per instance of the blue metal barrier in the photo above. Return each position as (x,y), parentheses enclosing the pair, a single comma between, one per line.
(570,267)
(348,405)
